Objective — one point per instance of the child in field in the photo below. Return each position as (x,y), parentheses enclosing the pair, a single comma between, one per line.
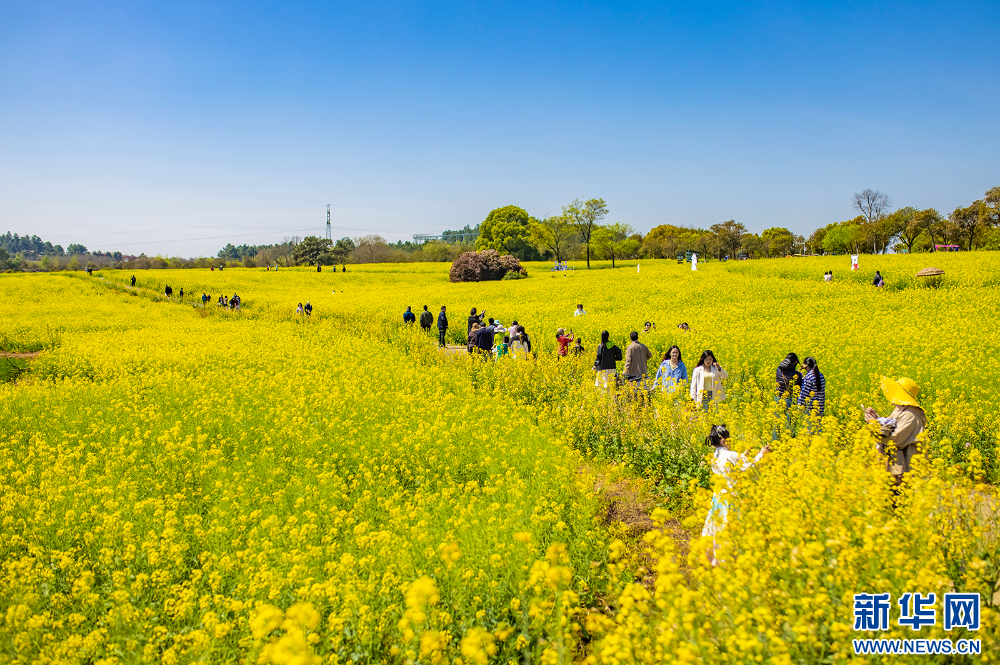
(503,347)
(563,340)
(724,461)
(299,309)
(578,349)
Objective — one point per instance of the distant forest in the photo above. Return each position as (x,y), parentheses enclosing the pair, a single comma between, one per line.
(580,232)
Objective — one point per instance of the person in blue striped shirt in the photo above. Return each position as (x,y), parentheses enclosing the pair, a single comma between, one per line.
(813,394)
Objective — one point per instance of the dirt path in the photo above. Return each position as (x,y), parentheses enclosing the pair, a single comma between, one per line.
(626,503)
(20,356)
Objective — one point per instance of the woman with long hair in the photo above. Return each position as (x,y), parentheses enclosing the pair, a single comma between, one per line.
(724,461)
(672,370)
(812,397)
(605,364)
(706,380)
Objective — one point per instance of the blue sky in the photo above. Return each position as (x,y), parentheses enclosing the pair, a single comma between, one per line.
(174,128)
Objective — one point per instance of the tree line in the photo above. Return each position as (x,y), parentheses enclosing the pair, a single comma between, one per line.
(579,232)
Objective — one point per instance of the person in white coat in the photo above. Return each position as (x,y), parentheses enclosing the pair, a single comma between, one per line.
(706,380)
(724,462)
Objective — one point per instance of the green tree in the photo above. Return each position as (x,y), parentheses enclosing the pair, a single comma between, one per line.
(586,216)
(76,249)
(991,207)
(504,229)
(312,251)
(729,237)
(779,241)
(968,222)
(613,242)
(844,237)
(815,242)
(752,244)
(552,233)
(342,249)
(663,241)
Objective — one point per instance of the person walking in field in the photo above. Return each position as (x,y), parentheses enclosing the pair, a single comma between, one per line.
(409,316)
(299,310)
(426,319)
(878,281)
(637,356)
(133,281)
(578,349)
(442,326)
(308,308)
(672,370)
(168,291)
(579,310)
(706,380)
(724,462)
(605,364)
(901,432)
(182,293)
(563,340)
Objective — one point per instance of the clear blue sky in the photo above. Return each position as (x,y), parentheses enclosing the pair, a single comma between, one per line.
(174,128)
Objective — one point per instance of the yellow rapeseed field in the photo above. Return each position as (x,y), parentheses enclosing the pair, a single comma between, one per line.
(186,484)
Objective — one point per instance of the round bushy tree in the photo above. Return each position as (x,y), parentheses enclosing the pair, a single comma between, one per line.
(486,265)
(466,268)
(504,229)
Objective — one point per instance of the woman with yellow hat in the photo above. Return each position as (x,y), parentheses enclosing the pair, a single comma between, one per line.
(902,428)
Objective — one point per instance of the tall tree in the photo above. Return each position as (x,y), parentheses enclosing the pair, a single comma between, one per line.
(552,233)
(729,236)
(342,249)
(586,216)
(968,222)
(613,241)
(815,242)
(872,204)
(780,240)
(990,209)
(312,251)
(502,228)
(371,248)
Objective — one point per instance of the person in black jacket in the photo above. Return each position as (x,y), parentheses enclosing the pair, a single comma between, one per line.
(605,364)
(474,318)
(442,326)
(788,377)
(409,316)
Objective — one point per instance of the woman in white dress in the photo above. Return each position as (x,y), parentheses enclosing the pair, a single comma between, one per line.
(724,461)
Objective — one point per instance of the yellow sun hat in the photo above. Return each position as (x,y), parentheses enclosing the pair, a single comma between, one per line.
(902,392)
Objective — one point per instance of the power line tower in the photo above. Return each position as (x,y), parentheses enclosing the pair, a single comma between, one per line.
(328,237)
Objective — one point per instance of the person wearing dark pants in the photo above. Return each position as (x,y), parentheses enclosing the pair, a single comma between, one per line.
(442,325)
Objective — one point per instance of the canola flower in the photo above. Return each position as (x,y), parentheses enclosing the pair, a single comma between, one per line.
(187,484)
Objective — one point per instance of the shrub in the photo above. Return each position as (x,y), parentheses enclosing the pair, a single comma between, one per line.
(466,268)
(483,266)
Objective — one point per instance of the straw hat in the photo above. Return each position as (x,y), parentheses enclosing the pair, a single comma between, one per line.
(560,331)
(902,392)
